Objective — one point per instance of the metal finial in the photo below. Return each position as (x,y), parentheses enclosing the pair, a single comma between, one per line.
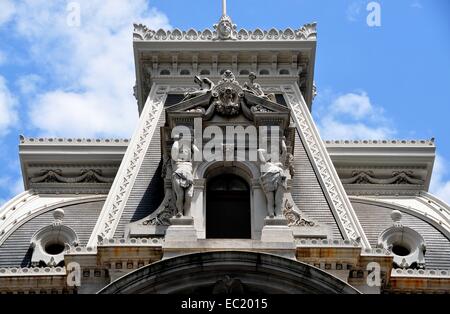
(224,7)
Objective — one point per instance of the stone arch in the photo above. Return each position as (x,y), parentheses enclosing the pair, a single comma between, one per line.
(247,170)
(232,272)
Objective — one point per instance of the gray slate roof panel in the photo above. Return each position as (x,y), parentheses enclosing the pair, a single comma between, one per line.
(375,219)
(14,252)
(307,191)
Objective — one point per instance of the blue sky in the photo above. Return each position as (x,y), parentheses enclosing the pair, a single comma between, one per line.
(391,81)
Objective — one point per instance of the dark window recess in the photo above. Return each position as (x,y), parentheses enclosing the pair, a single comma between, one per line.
(228,208)
(280,99)
(400,250)
(54,248)
(173,99)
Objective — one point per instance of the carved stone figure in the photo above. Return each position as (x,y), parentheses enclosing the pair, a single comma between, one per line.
(206,85)
(182,176)
(274,183)
(287,158)
(256,89)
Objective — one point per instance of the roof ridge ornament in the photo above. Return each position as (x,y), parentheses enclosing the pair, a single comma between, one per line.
(225,29)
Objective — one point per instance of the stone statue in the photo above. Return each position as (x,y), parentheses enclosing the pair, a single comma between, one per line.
(182,176)
(287,159)
(274,183)
(256,89)
(206,85)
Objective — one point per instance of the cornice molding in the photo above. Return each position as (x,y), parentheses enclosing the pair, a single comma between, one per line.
(71,141)
(397,142)
(306,32)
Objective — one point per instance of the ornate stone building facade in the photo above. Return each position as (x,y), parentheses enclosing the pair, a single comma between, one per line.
(128,216)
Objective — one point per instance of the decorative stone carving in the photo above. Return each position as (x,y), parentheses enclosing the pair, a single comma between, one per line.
(307,32)
(256,89)
(287,158)
(228,95)
(225,29)
(368,177)
(407,245)
(206,85)
(228,285)
(163,214)
(182,176)
(295,218)
(56,176)
(274,184)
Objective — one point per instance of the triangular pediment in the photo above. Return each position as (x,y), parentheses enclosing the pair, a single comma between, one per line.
(228,103)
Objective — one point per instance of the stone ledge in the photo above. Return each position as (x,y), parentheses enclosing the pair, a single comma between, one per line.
(323,243)
(421,273)
(21,272)
(376,252)
(155,242)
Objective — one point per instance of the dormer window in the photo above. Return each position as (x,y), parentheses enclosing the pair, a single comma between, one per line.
(50,243)
(407,245)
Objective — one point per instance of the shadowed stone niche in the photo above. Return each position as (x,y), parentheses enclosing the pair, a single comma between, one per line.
(229,272)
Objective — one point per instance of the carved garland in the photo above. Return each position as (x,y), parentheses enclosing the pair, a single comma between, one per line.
(86,176)
(368,177)
(116,201)
(318,155)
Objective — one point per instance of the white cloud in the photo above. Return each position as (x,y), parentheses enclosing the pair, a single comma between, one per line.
(92,65)
(352,116)
(440,183)
(7,10)
(356,105)
(29,84)
(8,113)
(11,186)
